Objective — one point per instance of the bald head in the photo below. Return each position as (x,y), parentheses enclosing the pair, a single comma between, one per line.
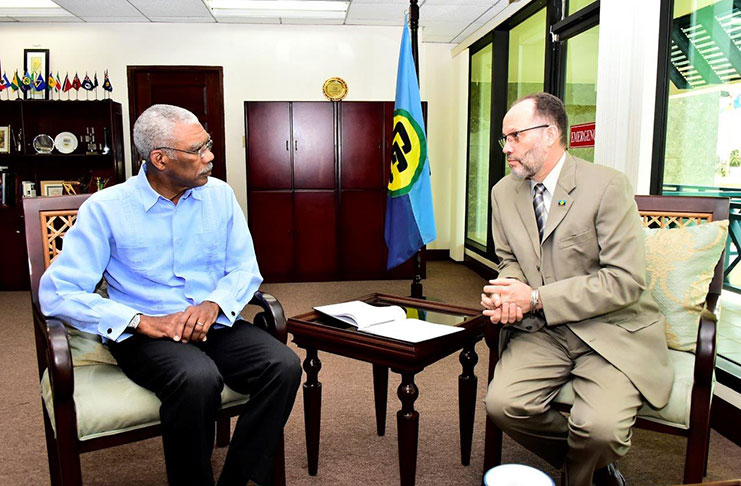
(546,108)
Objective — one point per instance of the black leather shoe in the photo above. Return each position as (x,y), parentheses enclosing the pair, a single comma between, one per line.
(608,476)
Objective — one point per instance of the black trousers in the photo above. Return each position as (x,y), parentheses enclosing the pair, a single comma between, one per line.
(188,379)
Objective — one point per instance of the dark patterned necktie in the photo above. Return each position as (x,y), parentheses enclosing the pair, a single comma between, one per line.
(539,207)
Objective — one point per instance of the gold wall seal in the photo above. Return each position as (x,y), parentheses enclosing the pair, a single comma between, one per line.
(335,89)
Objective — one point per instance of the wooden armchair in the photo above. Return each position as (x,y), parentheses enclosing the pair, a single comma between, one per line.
(72,427)
(697,369)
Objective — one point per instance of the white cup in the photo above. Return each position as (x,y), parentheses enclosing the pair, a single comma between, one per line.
(516,475)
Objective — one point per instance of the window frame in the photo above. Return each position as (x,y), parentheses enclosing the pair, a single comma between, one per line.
(558,30)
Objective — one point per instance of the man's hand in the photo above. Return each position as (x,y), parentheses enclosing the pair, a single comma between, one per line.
(198,320)
(169,326)
(190,325)
(506,300)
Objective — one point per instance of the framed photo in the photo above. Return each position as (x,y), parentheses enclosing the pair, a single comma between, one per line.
(5,140)
(52,188)
(35,62)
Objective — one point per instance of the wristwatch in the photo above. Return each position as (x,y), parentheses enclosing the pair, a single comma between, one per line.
(134,323)
(534,298)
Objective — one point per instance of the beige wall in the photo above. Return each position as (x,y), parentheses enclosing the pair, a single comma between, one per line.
(261,62)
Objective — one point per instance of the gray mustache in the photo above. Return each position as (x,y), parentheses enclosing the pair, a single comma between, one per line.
(207,168)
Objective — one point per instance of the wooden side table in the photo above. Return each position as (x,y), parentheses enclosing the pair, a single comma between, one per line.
(314,332)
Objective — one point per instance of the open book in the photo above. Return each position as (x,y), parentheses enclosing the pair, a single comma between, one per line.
(388,321)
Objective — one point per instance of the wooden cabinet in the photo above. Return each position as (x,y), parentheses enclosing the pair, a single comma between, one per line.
(316,183)
(85,165)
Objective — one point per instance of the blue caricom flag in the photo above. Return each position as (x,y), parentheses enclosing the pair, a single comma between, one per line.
(410,222)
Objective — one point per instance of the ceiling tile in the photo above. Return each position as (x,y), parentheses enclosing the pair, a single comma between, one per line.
(165,8)
(360,12)
(450,29)
(100,8)
(450,13)
(434,38)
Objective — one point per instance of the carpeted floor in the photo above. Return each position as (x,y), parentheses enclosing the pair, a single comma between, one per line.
(350,452)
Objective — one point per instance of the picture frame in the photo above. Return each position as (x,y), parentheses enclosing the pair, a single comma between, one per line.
(36,61)
(52,188)
(5,139)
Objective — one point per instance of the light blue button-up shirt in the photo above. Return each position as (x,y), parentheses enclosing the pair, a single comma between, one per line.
(158,258)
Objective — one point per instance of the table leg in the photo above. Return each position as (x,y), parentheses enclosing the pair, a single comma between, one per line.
(380,394)
(467,401)
(312,408)
(407,423)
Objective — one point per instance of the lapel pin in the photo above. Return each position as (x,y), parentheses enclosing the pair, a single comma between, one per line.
(561,202)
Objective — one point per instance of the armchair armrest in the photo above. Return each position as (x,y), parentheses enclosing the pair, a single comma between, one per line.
(272,319)
(705,353)
(57,359)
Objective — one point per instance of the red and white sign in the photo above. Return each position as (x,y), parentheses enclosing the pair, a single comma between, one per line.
(581,135)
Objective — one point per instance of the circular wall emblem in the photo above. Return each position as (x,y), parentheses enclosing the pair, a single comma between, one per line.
(335,89)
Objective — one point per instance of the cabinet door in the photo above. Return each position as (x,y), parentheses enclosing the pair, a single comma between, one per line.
(271,225)
(13,260)
(268,145)
(316,235)
(313,145)
(362,247)
(362,152)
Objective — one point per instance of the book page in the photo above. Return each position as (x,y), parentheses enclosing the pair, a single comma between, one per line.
(412,330)
(361,314)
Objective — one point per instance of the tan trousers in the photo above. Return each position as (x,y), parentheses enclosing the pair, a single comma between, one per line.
(530,372)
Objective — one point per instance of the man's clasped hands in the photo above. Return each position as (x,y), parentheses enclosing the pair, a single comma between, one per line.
(506,300)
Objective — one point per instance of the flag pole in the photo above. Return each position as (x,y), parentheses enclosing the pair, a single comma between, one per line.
(416,288)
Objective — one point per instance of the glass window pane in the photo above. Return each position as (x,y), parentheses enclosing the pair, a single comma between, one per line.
(576,5)
(477,199)
(526,60)
(703,120)
(580,93)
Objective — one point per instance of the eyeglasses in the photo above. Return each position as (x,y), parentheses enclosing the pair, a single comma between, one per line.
(514,137)
(200,151)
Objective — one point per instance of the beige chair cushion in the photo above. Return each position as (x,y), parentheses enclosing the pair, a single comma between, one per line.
(680,264)
(87,349)
(677,412)
(108,403)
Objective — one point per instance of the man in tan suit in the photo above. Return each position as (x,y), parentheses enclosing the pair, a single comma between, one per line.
(570,293)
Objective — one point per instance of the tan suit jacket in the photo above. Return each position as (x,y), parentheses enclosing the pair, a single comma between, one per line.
(590,268)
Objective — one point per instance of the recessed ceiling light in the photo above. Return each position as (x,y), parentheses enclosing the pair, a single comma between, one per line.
(306,9)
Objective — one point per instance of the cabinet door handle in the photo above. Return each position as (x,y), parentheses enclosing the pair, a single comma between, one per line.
(286,144)
(295,145)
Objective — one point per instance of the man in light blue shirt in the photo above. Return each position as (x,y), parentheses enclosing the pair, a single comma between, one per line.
(175,250)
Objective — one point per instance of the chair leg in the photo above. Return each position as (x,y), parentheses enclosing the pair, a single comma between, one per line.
(51,452)
(223,431)
(69,465)
(492,445)
(280,464)
(695,459)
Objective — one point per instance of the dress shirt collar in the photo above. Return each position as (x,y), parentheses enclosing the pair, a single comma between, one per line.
(551,180)
(149,196)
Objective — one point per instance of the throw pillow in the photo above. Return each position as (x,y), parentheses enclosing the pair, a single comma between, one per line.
(680,264)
